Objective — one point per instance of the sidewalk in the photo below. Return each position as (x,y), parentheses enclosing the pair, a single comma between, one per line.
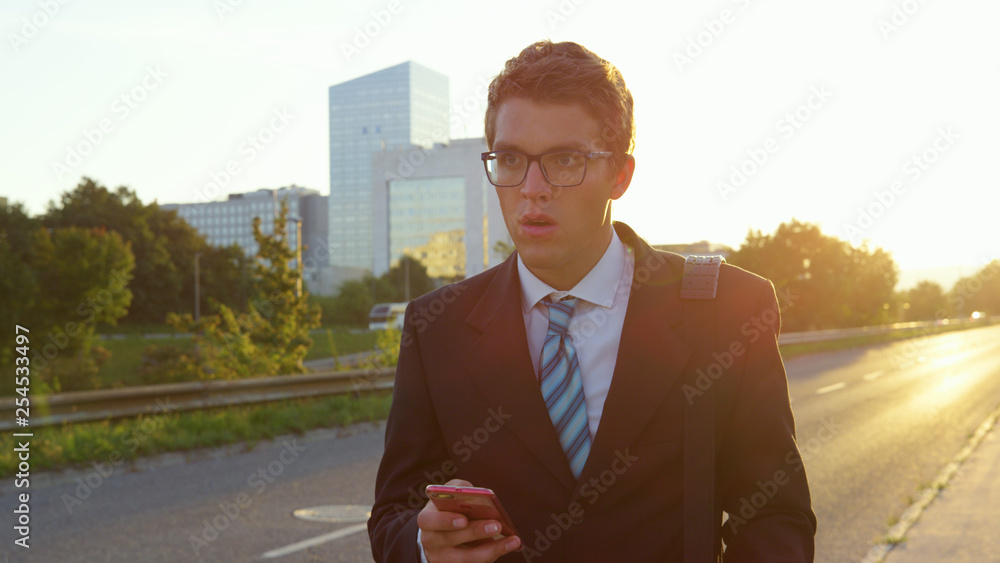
(963,523)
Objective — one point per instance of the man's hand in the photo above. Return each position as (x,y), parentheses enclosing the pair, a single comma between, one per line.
(443,535)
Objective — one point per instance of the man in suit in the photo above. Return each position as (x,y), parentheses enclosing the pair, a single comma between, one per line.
(615,419)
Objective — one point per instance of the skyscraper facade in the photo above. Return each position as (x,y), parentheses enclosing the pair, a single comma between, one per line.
(401,106)
(437,206)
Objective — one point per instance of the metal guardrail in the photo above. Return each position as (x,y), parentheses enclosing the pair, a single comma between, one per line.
(82,406)
(842,333)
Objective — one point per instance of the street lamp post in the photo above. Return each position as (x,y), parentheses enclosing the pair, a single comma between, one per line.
(197,286)
(298,254)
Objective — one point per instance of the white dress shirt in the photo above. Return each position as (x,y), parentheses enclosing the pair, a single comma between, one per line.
(596,326)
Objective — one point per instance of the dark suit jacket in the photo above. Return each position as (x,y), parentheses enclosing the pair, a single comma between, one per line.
(467,405)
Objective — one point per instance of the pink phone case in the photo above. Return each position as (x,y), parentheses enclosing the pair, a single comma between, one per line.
(476,503)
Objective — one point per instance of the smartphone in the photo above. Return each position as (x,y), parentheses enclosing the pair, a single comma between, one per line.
(476,503)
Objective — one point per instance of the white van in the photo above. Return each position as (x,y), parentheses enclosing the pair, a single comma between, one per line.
(386,315)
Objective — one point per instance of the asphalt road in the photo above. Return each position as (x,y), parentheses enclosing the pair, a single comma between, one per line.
(902,412)
(875,425)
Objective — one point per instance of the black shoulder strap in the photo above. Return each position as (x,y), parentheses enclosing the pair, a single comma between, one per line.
(701,524)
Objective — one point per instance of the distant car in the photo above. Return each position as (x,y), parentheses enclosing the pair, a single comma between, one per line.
(386,315)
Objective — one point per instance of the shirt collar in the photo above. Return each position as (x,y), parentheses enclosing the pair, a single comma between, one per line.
(599,286)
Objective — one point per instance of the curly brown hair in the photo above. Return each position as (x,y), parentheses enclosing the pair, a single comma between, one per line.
(567,73)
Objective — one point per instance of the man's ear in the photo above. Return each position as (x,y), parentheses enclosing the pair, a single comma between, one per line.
(623,177)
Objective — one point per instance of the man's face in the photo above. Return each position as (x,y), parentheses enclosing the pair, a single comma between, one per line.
(560,233)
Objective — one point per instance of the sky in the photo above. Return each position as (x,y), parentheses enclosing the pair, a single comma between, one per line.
(875,119)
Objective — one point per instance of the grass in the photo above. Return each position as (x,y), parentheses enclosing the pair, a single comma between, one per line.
(122,367)
(80,445)
(135,329)
(894,540)
(343,342)
(126,353)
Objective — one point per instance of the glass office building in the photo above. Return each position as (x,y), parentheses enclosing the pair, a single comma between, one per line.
(402,106)
(436,205)
(229,222)
(427,222)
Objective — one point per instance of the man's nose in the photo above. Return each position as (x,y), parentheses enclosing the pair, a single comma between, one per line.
(535,184)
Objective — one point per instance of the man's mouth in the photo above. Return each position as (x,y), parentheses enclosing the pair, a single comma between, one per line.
(537,225)
(537,220)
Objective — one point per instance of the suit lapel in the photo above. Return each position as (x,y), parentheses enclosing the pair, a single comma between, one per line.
(651,355)
(651,360)
(500,365)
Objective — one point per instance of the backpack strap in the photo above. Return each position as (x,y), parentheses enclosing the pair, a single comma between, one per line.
(702,540)
(701,277)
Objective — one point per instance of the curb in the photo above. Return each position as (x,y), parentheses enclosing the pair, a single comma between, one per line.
(912,514)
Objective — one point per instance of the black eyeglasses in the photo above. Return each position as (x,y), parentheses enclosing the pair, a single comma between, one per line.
(505,169)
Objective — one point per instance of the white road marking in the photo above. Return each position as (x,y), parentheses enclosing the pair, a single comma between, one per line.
(829,388)
(874,375)
(305,544)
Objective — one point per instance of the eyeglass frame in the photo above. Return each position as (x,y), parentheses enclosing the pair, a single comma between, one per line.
(588,156)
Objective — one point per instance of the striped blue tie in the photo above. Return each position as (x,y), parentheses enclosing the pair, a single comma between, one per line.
(562,386)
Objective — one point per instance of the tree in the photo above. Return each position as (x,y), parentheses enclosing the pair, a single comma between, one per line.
(355,298)
(395,286)
(831,283)
(978,292)
(924,302)
(352,303)
(18,282)
(869,285)
(164,246)
(225,278)
(285,335)
(270,338)
(223,270)
(157,282)
(83,279)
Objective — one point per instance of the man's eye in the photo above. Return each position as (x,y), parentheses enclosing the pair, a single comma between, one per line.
(509,159)
(568,159)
